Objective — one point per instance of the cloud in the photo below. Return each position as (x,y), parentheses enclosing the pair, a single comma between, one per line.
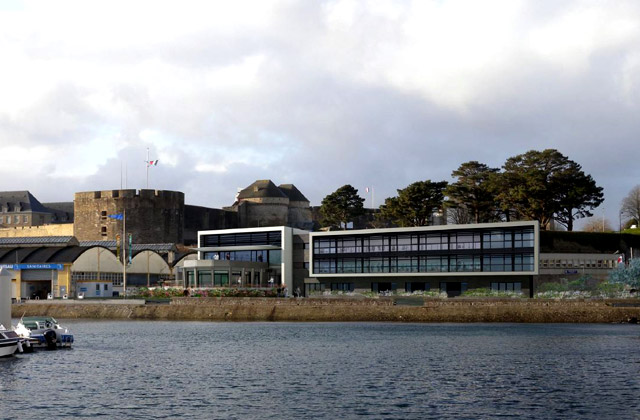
(319,94)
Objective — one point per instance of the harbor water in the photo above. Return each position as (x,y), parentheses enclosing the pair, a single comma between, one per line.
(205,370)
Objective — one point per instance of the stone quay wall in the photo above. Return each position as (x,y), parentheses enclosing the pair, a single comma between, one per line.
(349,310)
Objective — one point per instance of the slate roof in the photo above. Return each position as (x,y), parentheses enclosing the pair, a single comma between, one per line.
(21,201)
(262,188)
(292,192)
(63,211)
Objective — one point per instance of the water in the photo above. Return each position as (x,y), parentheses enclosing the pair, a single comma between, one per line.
(202,370)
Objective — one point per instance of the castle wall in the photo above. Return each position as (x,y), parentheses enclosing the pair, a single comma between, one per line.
(203,218)
(300,217)
(258,215)
(152,216)
(37,231)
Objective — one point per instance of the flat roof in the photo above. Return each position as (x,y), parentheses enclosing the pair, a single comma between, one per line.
(533,224)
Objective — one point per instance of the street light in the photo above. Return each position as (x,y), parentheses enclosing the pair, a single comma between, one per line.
(620,221)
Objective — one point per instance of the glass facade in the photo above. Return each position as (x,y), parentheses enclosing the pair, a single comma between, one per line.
(448,251)
(242,239)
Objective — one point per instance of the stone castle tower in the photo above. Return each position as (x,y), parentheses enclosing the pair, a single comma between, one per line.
(265,204)
(152,216)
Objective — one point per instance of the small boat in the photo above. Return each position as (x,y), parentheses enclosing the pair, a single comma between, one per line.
(10,342)
(44,331)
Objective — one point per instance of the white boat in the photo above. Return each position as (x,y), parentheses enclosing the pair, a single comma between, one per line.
(10,342)
(44,331)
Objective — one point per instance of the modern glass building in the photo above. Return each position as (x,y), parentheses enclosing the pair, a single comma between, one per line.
(451,258)
(251,257)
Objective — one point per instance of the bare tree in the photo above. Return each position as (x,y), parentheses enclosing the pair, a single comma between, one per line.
(597,224)
(631,204)
(458,215)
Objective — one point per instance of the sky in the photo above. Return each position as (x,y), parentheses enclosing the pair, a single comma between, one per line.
(319,94)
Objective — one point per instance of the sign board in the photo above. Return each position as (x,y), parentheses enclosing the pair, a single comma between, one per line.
(33,266)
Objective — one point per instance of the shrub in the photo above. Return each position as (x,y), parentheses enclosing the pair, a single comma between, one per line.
(552,287)
(486,292)
(629,276)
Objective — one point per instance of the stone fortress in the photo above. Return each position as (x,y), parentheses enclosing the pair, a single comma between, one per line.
(152,216)
(265,204)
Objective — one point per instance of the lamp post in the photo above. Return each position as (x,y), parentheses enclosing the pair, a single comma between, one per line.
(620,221)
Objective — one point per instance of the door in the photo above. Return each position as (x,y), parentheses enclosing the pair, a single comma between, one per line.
(453,288)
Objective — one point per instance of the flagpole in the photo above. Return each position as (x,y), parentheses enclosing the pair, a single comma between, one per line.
(124,254)
(147,168)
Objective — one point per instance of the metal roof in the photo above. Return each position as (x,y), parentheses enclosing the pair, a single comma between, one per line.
(159,248)
(38,240)
(17,255)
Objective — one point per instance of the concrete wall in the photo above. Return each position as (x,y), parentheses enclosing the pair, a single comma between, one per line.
(65,229)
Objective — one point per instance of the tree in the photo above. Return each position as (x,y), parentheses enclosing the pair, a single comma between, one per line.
(341,207)
(543,185)
(415,204)
(473,191)
(578,194)
(597,225)
(631,204)
(458,215)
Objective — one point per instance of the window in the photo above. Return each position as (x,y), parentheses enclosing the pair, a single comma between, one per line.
(204,278)
(434,264)
(220,278)
(324,246)
(465,241)
(345,287)
(25,219)
(348,246)
(349,265)
(373,244)
(106,287)
(376,265)
(407,265)
(275,257)
(324,266)
(507,287)
(434,242)
(415,286)
(496,239)
(97,287)
(404,243)
(464,263)
(16,219)
(523,262)
(523,238)
(497,263)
